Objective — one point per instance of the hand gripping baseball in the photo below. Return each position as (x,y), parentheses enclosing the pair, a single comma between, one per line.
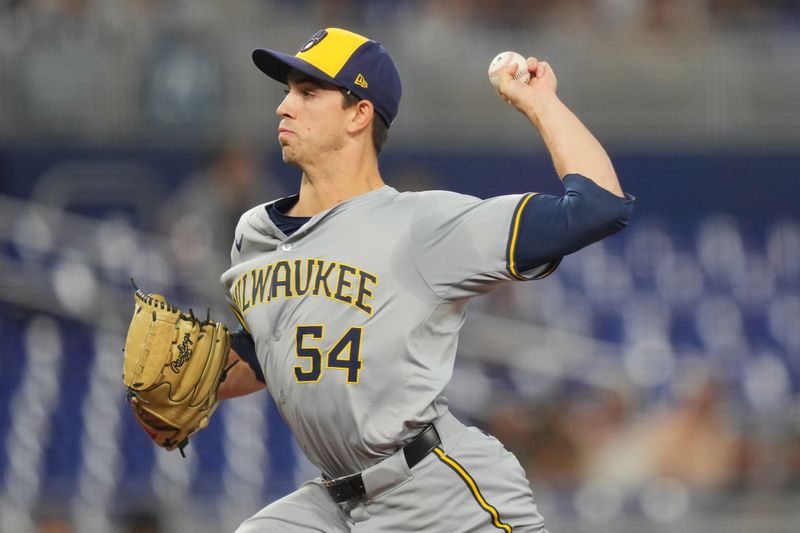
(173,366)
(522,95)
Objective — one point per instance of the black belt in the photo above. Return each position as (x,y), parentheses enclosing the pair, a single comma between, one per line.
(350,487)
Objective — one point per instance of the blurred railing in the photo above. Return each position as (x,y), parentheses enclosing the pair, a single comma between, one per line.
(106,75)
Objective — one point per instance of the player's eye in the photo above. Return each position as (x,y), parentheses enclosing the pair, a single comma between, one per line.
(307,93)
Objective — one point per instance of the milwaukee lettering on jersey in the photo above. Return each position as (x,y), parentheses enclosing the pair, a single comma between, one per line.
(305,277)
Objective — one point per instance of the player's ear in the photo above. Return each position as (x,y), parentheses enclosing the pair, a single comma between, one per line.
(363,115)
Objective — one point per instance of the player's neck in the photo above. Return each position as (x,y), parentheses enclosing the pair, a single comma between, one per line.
(324,187)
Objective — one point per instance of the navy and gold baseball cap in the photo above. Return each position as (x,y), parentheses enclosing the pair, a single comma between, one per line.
(345,59)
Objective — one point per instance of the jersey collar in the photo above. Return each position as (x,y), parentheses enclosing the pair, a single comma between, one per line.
(269,227)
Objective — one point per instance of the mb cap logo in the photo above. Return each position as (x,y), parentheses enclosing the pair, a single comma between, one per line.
(314,40)
(361,82)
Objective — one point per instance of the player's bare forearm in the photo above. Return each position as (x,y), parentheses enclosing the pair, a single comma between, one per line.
(241,379)
(572,146)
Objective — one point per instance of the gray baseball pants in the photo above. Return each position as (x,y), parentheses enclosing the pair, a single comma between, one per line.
(468,484)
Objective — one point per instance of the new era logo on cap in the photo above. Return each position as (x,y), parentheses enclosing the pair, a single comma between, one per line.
(344,59)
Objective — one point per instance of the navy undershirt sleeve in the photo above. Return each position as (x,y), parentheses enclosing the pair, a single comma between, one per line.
(243,344)
(551,227)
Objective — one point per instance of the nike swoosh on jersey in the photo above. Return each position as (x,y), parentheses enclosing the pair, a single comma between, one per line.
(238,242)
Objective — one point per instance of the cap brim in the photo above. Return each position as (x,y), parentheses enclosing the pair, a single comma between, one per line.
(277,65)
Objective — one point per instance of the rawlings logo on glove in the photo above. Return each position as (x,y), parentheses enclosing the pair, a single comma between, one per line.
(174,364)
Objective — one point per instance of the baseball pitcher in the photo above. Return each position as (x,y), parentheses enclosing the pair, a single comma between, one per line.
(350,296)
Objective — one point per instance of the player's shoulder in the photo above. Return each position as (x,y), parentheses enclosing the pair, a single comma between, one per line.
(256,214)
(436,208)
(449,204)
(435,197)
(248,216)
(256,209)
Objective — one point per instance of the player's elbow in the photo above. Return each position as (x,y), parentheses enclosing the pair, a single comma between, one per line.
(593,211)
(555,226)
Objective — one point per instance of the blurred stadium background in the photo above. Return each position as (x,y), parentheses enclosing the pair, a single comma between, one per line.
(651,384)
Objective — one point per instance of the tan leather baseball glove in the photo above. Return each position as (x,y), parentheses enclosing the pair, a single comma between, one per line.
(174,364)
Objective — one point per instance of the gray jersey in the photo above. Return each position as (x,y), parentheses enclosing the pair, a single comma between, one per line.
(355,317)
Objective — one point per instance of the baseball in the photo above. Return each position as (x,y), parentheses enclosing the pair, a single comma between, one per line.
(506,59)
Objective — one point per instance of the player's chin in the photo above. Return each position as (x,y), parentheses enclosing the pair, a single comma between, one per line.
(289,156)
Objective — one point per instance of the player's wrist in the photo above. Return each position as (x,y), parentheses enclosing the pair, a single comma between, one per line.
(539,106)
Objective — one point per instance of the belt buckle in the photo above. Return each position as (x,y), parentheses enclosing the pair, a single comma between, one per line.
(345,488)
(339,480)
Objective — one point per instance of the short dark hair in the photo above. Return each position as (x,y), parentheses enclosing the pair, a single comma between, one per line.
(380,130)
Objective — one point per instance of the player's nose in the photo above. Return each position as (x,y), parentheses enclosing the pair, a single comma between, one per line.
(284,108)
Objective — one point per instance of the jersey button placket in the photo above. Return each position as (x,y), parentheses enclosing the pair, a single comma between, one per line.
(286,246)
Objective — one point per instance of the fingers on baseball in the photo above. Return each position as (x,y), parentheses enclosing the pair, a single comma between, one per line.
(505,76)
(542,69)
(508,74)
(510,71)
